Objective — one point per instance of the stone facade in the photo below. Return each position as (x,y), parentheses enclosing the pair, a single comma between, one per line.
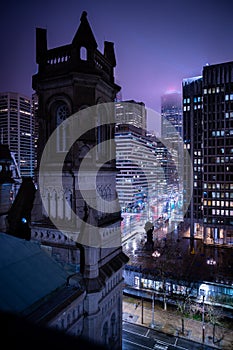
(78,230)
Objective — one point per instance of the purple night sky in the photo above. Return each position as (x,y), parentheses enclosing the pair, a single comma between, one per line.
(157,43)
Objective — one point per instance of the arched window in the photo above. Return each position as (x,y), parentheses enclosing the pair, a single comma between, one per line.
(63,132)
(113,325)
(83,53)
(105,333)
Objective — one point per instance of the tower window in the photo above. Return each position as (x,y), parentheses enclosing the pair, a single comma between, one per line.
(83,53)
(62,131)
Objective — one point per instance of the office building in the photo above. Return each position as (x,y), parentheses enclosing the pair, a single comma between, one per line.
(17,129)
(208,131)
(132,113)
(193,143)
(171,114)
(140,179)
(36,128)
(171,137)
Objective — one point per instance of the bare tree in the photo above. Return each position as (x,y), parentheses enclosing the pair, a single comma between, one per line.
(167,265)
(184,306)
(214,314)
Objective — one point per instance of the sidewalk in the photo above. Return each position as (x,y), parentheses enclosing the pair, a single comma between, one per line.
(169,322)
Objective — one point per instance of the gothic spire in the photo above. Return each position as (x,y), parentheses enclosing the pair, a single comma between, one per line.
(84,35)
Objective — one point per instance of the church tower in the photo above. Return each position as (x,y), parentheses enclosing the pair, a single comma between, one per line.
(76,214)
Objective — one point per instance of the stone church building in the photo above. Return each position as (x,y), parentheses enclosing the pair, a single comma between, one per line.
(75,178)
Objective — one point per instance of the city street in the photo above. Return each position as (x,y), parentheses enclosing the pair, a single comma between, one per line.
(137,337)
(187,257)
(164,334)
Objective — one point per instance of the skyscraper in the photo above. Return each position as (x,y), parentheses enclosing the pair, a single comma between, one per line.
(171,134)
(171,114)
(140,179)
(133,113)
(193,143)
(208,131)
(17,129)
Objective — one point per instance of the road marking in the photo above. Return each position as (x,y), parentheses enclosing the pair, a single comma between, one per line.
(161,347)
(141,335)
(163,343)
(142,346)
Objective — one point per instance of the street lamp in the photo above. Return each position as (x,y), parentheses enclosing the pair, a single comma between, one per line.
(156,254)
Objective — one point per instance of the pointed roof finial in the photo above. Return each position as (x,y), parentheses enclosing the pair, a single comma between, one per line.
(84,16)
(84,36)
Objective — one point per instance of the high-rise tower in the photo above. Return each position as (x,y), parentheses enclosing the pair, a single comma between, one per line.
(208,130)
(171,114)
(17,129)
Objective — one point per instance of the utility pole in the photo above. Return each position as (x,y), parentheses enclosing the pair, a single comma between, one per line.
(142,309)
(153,311)
(203,319)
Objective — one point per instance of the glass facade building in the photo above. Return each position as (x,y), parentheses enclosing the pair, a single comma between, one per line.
(137,180)
(208,132)
(171,114)
(17,129)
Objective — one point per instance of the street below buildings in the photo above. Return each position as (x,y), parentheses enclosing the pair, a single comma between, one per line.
(186,258)
(145,328)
